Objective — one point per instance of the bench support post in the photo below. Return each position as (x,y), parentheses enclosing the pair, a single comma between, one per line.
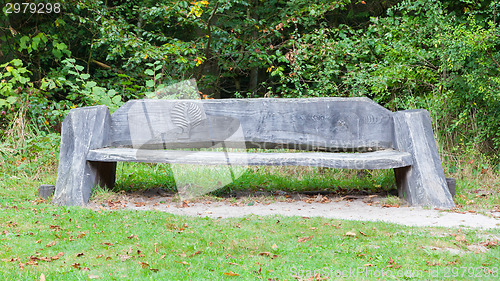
(423,183)
(82,130)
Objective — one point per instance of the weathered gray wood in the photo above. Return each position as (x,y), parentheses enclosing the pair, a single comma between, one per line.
(423,183)
(45,191)
(452,186)
(93,141)
(330,124)
(384,159)
(83,129)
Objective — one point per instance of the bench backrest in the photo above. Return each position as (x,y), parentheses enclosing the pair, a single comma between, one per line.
(332,124)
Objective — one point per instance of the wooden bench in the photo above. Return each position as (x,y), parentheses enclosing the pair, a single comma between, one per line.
(325,129)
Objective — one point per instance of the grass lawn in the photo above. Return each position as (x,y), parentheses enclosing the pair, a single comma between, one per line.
(39,240)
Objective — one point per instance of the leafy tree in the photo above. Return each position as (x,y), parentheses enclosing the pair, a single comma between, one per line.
(441,55)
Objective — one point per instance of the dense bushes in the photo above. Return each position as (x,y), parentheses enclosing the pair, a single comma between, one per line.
(439,55)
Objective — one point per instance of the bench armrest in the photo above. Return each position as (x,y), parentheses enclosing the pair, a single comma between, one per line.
(83,129)
(423,183)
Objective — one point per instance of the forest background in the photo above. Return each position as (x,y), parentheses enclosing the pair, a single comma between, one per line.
(441,55)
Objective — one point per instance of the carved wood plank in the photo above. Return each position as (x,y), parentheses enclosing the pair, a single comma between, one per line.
(330,124)
(385,159)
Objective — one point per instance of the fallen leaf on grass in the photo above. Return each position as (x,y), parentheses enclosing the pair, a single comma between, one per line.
(274,246)
(99,256)
(144,264)
(350,233)
(362,233)
(392,264)
(55,227)
(133,236)
(77,266)
(38,241)
(233,263)
(93,277)
(56,257)
(42,277)
(268,254)
(162,256)
(230,273)
(156,251)
(79,254)
(368,265)
(50,244)
(183,262)
(107,244)
(195,253)
(304,239)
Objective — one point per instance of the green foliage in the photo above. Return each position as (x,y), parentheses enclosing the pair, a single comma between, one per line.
(13,77)
(448,65)
(440,55)
(79,88)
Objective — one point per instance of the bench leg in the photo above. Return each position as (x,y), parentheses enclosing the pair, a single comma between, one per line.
(82,130)
(423,183)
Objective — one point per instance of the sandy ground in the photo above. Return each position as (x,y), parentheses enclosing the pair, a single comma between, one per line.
(361,208)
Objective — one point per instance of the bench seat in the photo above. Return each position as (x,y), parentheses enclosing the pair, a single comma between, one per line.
(385,159)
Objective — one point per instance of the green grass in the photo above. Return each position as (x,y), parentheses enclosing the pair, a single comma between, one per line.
(476,192)
(134,176)
(120,245)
